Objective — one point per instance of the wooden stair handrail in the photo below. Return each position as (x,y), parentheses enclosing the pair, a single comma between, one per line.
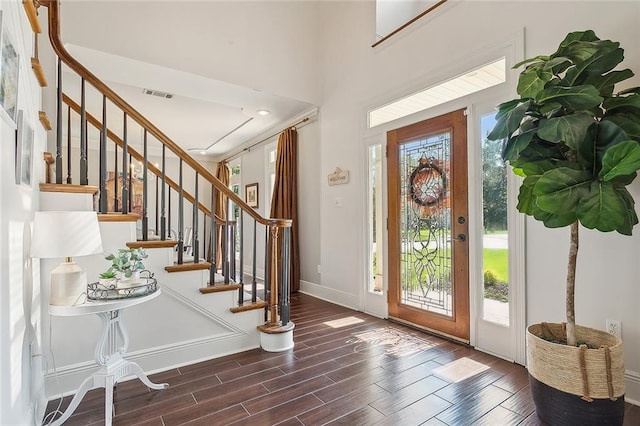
(71,62)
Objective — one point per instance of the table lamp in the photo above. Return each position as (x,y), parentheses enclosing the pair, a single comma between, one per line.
(66,234)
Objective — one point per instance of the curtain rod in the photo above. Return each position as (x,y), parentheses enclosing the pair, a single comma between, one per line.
(232,156)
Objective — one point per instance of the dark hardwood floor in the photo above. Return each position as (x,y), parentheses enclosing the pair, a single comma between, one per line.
(346,368)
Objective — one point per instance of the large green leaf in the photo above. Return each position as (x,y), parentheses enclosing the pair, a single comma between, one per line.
(558,65)
(629,123)
(630,103)
(526,198)
(585,51)
(630,217)
(539,58)
(588,35)
(516,144)
(557,220)
(532,81)
(600,136)
(602,61)
(570,129)
(606,83)
(508,121)
(602,208)
(578,98)
(561,189)
(620,160)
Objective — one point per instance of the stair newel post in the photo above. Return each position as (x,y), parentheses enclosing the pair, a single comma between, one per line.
(145,189)
(254,284)
(103,159)
(285,274)
(163,221)
(68,146)
(274,284)
(213,240)
(84,172)
(195,243)
(226,236)
(59,125)
(125,171)
(180,218)
(241,260)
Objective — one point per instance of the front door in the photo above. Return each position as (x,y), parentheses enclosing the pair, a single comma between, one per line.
(428,246)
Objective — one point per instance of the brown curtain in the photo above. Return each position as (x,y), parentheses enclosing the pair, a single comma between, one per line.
(284,201)
(222,173)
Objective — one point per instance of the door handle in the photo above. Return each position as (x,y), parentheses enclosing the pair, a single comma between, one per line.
(460,238)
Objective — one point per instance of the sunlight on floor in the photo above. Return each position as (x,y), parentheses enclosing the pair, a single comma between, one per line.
(343,322)
(459,370)
(399,343)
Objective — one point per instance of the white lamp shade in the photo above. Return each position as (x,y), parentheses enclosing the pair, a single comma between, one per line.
(65,234)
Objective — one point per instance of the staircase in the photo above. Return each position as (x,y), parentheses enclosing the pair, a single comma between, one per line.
(201,238)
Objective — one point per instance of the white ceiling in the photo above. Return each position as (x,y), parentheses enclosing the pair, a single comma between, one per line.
(202,110)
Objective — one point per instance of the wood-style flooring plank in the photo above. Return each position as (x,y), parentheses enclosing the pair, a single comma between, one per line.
(416,413)
(346,368)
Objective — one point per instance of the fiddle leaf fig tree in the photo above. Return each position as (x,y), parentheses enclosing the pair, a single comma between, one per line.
(575,141)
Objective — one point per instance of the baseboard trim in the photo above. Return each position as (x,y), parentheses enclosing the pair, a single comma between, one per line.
(330,295)
(632,385)
(64,381)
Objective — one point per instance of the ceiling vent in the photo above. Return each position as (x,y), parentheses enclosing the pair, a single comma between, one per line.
(157,93)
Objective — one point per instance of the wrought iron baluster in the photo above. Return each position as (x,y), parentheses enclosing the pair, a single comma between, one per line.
(69,180)
(103,159)
(145,219)
(195,243)
(226,266)
(213,240)
(180,218)
(163,221)
(84,172)
(241,232)
(116,206)
(254,284)
(59,125)
(125,171)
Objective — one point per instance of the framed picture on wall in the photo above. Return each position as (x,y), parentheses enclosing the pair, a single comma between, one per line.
(24,151)
(9,68)
(251,195)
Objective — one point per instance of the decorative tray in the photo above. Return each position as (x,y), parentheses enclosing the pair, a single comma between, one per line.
(122,289)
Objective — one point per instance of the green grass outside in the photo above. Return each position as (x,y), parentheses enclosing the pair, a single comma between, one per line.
(495,260)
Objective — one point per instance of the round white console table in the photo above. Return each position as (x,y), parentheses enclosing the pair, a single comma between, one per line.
(111,346)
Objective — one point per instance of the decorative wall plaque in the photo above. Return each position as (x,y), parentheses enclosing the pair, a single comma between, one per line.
(339,177)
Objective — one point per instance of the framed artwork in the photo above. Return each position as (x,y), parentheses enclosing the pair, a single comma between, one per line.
(251,195)
(24,151)
(9,68)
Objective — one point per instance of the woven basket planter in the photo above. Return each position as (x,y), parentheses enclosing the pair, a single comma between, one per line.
(576,385)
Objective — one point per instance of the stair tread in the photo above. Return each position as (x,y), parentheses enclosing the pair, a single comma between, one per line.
(118,217)
(68,188)
(187,266)
(152,244)
(218,288)
(249,306)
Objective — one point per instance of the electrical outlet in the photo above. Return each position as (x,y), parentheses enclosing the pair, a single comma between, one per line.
(614,327)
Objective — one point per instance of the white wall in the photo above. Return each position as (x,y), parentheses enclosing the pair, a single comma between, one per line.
(21,381)
(264,45)
(357,76)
